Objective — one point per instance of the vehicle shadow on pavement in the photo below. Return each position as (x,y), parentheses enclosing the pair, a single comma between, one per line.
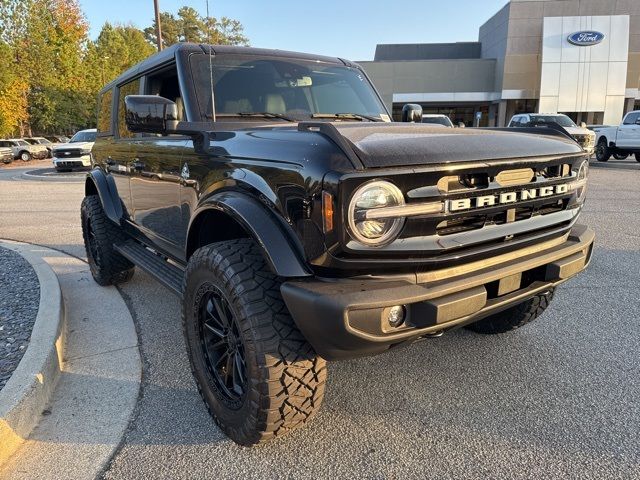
(556,396)
(629,164)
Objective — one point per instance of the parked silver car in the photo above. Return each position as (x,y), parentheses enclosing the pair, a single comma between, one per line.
(24,150)
(6,155)
(42,141)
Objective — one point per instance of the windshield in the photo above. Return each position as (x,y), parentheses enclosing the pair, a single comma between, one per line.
(83,137)
(22,143)
(438,120)
(31,141)
(282,86)
(561,120)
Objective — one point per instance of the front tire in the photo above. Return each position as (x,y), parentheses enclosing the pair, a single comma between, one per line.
(603,153)
(256,373)
(25,156)
(107,266)
(514,317)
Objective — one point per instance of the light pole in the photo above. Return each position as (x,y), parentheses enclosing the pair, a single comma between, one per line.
(158,26)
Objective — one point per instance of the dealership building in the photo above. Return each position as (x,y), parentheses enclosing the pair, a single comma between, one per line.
(578,57)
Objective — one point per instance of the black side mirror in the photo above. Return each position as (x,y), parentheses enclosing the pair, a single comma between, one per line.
(638,121)
(150,114)
(412,113)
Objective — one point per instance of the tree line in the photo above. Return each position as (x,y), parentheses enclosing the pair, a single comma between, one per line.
(51,70)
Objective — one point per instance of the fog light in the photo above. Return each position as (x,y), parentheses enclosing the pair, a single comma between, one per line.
(395,316)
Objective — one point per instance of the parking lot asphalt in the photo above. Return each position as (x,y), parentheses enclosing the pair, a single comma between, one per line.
(555,399)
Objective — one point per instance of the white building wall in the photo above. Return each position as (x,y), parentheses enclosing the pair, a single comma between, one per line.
(585,79)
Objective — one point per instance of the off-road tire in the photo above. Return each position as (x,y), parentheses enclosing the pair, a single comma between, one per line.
(25,156)
(620,156)
(109,268)
(514,317)
(603,154)
(285,377)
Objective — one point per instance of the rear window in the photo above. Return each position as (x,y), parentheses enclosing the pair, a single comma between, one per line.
(104,112)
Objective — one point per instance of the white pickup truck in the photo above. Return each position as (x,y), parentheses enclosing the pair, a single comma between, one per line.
(620,141)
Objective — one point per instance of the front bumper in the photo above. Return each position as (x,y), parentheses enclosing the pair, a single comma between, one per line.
(72,162)
(345,318)
(6,158)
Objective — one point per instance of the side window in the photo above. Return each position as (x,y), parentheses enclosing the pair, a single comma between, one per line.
(165,84)
(631,118)
(514,122)
(131,88)
(104,112)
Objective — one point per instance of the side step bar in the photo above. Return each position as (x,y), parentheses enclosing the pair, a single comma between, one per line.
(166,273)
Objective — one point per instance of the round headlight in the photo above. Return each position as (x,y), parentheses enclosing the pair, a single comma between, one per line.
(581,179)
(374,195)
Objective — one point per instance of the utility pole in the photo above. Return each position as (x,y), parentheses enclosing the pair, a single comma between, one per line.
(158,26)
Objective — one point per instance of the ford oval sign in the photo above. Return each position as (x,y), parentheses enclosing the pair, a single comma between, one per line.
(586,38)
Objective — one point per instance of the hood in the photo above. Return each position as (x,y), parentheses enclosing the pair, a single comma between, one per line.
(80,145)
(405,144)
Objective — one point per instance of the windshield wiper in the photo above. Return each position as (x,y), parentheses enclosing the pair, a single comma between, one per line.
(263,114)
(347,116)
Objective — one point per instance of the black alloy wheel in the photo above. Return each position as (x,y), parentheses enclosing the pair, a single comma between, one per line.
(222,346)
(93,252)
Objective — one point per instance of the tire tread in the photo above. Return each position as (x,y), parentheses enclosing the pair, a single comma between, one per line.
(292,377)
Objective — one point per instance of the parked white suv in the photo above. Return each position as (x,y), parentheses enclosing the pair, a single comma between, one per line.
(581,134)
(76,153)
(620,141)
(24,150)
(437,119)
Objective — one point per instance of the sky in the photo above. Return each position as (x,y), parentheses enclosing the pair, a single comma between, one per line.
(341,28)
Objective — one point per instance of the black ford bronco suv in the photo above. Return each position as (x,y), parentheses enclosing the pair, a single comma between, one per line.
(270,191)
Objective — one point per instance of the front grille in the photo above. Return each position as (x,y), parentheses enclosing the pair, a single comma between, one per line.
(515,214)
(585,141)
(68,164)
(68,153)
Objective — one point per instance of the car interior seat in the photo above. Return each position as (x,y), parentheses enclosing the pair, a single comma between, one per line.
(274,103)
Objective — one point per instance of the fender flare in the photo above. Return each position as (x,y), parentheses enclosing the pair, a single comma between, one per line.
(105,186)
(282,249)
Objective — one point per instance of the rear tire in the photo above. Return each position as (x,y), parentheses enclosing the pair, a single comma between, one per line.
(603,153)
(514,317)
(256,373)
(107,266)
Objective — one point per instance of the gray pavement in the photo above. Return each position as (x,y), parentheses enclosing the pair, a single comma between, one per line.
(555,399)
(98,383)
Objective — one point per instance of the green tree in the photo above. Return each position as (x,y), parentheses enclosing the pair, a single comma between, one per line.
(190,26)
(116,49)
(51,59)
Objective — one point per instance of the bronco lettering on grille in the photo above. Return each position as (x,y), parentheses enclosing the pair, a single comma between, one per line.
(505,198)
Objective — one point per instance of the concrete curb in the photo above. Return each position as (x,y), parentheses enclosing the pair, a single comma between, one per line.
(31,385)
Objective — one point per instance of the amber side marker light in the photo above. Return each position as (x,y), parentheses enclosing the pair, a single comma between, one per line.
(327,212)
